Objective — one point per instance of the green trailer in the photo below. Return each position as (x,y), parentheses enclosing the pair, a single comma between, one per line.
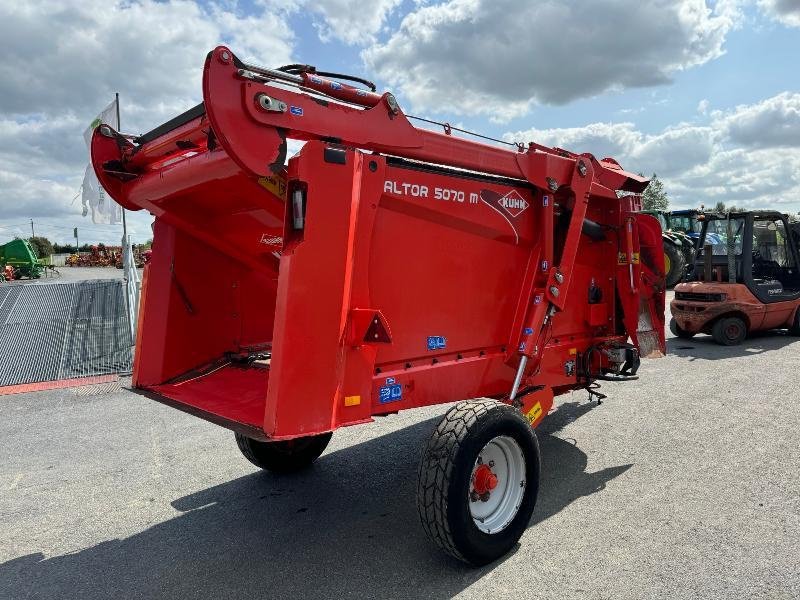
(20,256)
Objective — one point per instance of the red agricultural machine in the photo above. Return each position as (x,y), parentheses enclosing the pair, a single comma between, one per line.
(98,256)
(384,268)
(108,256)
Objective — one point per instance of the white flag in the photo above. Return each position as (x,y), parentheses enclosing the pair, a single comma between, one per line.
(95,199)
(108,116)
(93,196)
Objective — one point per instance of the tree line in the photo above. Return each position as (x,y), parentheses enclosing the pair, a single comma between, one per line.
(655,197)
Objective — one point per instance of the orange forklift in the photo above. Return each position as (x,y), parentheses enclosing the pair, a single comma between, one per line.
(745,278)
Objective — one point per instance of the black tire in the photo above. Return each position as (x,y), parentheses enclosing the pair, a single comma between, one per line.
(678,332)
(446,478)
(677,264)
(729,331)
(795,327)
(283,457)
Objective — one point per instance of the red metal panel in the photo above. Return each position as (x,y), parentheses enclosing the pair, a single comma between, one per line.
(232,392)
(198,306)
(313,299)
(467,272)
(191,136)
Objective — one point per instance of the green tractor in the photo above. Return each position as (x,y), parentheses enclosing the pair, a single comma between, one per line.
(679,247)
(688,221)
(20,256)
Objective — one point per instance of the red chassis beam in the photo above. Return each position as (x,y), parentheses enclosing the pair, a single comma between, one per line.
(406,283)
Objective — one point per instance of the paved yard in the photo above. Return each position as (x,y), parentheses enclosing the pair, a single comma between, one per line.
(682,485)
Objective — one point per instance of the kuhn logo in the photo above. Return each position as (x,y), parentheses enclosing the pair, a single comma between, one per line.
(513,203)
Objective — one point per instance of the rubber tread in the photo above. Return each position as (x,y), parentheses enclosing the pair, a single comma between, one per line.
(283,457)
(436,470)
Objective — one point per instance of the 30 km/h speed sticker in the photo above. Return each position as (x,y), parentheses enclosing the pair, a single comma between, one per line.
(391,392)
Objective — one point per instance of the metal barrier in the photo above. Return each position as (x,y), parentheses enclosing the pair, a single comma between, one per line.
(133,285)
(60,331)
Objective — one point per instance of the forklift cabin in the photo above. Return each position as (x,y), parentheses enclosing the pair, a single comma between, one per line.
(686,221)
(745,278)
(763,250)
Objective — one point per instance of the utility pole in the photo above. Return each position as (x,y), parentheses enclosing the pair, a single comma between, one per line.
(32,232)
(131,276)
(124,224)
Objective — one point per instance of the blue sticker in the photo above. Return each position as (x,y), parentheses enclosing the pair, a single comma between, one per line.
(545,200)
(522,347)
(436,342)
(390,380)
(296,110)
(390,393)
(537,299)
(545,264)
(528,331)
(361,93)
(336,85)
(315,79)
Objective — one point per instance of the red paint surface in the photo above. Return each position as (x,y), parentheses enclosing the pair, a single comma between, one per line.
(485,480)
(40,386)
(473,260)
(231,392)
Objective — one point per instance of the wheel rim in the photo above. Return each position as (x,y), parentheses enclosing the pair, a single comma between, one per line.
(667,263)
(497,484)
(733,331)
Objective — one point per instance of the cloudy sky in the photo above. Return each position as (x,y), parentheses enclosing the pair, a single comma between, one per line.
(705,94)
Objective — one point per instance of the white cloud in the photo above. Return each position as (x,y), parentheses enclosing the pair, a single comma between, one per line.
(746,178)
(497,57)
(672,151)
(64,61)
(785,11)
(61,59)
(354,22)
(774,122)
(748,156)
(602,139)
(675,150)
(34,197)
(42,145)
(265,38)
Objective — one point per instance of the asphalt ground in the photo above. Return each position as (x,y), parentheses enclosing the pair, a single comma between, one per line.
(681,485)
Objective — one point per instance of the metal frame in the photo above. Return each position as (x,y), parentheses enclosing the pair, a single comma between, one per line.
(749,218)
(295,301)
